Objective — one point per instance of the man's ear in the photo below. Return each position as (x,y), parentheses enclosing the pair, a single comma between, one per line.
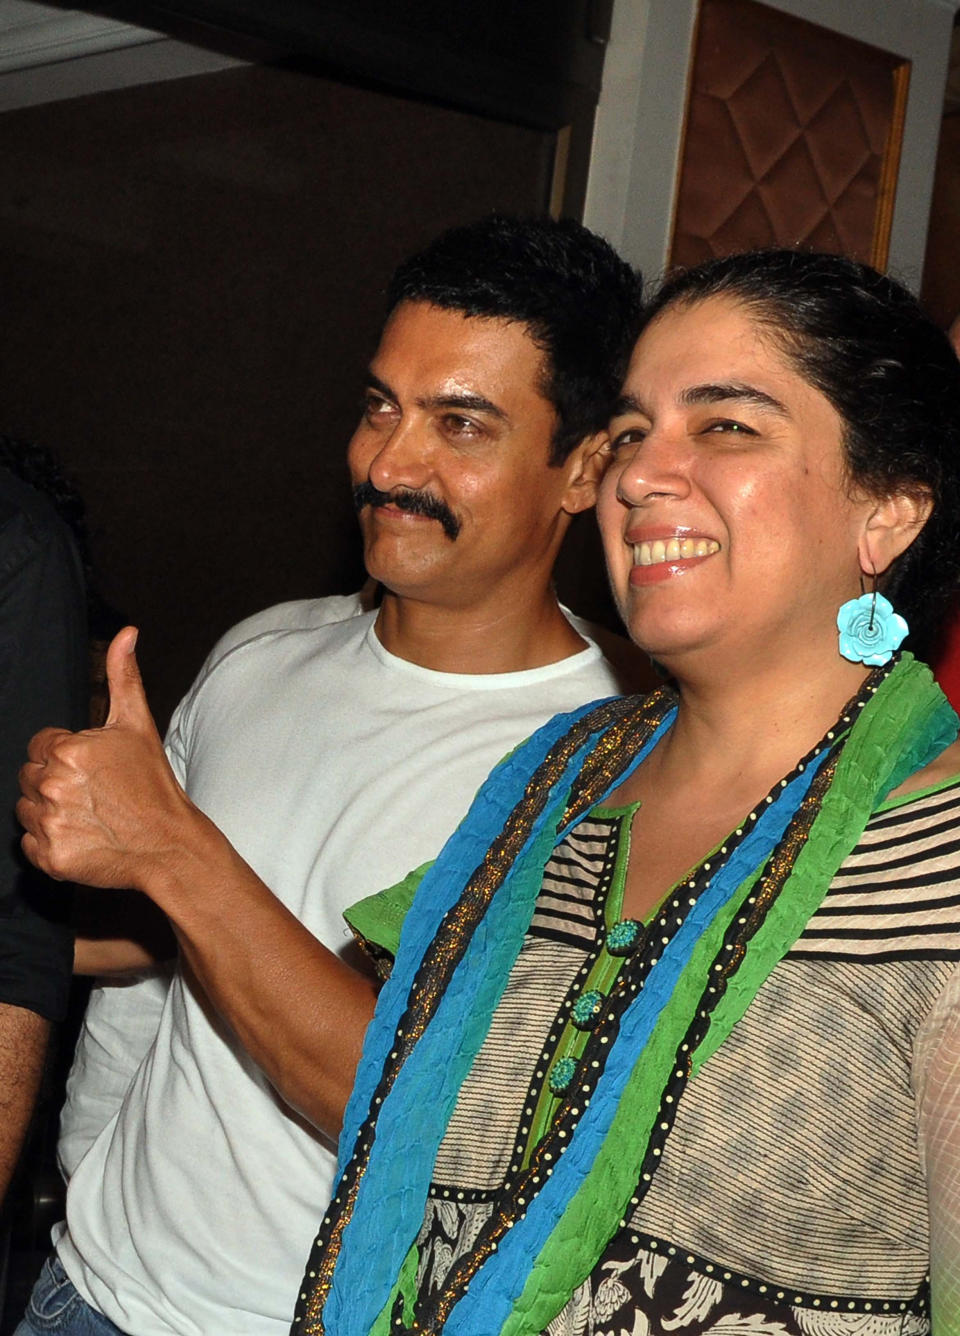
(585,465)
(891,527)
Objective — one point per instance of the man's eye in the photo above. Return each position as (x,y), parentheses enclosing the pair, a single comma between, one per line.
(376,407)
(457,425)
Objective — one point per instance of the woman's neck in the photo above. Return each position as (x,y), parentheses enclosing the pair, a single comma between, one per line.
(751,726)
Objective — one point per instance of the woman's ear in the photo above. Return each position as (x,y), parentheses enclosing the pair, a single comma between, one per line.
(586,464)
(891,527)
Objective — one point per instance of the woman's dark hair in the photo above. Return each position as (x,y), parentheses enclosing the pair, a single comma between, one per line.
(862,340)
(580,302)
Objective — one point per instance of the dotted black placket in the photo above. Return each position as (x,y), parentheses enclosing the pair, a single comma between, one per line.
(623,725)
(471,1196)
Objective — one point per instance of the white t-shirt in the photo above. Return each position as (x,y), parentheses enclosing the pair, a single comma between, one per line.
(121,1018)
(333,767)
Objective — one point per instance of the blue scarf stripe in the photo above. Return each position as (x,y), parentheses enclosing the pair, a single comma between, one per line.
(368,1263)
(400,1167)
(495,1288)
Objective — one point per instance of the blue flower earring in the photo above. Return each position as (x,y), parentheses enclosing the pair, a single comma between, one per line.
(869,628)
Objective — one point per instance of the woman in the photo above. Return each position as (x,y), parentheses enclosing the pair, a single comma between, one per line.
(672,1040)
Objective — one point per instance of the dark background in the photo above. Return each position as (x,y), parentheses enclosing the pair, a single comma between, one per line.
(192,276)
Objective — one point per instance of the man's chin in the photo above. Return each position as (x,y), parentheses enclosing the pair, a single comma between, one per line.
(400,571)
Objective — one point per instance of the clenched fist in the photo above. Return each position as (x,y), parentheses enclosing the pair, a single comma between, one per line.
(102,806)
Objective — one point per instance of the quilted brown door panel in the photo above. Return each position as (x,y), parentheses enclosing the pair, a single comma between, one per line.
(792,137)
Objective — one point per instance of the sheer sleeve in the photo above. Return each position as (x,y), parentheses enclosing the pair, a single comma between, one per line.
(937,1082)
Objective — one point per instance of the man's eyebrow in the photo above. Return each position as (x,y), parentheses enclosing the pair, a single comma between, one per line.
(470,403)
(465,401)
(744,394)
(373,382)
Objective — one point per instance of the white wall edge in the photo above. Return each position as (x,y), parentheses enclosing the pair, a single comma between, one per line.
(638,129)
(639,123)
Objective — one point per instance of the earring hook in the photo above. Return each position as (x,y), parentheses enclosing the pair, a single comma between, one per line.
(873,601)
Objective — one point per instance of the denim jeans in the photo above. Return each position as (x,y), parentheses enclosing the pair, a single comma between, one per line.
(56,1306)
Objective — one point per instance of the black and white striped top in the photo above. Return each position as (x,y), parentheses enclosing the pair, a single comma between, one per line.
(813,1171)
(897,897)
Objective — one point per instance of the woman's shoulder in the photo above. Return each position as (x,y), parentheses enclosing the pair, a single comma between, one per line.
(937,774)
(896,896)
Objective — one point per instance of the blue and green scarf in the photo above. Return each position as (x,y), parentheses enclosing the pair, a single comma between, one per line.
(664,1017)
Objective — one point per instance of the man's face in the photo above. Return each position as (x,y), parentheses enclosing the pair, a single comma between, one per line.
(457,501)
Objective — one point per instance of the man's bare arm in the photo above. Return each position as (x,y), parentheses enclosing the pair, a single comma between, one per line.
(23,1043)
(103,808)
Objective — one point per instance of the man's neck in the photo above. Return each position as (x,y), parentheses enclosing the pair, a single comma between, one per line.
(504,639)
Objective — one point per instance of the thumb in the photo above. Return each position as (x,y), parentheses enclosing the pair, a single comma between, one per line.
(128,701)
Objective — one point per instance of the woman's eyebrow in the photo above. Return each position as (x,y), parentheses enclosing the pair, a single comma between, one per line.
(735,391)
(627,403)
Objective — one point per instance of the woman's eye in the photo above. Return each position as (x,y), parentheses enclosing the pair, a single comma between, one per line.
(627,439)
(726,426)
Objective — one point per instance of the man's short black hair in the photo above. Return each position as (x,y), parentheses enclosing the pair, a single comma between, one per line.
(580,302)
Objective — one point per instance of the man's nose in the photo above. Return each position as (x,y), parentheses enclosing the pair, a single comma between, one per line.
(403,459)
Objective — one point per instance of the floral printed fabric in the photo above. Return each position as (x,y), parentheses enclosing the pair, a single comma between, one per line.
(641,1292)
(646,1294)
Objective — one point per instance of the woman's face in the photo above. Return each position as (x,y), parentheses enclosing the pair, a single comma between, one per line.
(727,518)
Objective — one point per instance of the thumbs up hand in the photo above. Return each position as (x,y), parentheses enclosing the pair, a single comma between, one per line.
(102,806)
(128,700)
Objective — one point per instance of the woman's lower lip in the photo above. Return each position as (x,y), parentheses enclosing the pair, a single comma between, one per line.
(663,570)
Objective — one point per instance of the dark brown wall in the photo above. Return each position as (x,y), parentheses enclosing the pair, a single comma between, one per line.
(941,269)
(191,278)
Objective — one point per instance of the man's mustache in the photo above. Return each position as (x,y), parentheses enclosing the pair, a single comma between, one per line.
(417,503)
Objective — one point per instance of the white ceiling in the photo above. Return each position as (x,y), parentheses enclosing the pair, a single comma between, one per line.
(40,45)
(35,34)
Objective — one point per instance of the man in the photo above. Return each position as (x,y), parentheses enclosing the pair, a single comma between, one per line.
(42,677)
(334,759)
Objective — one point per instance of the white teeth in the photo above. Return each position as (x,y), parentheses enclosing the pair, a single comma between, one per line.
(673,549)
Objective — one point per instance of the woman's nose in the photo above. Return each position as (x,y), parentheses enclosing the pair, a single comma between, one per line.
(659,467)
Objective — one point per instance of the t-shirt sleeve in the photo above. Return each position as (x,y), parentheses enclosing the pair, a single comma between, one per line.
(376,920)
(937,1083)
(43,681)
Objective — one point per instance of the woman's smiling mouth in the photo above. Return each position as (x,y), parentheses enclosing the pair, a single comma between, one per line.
(653,553)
